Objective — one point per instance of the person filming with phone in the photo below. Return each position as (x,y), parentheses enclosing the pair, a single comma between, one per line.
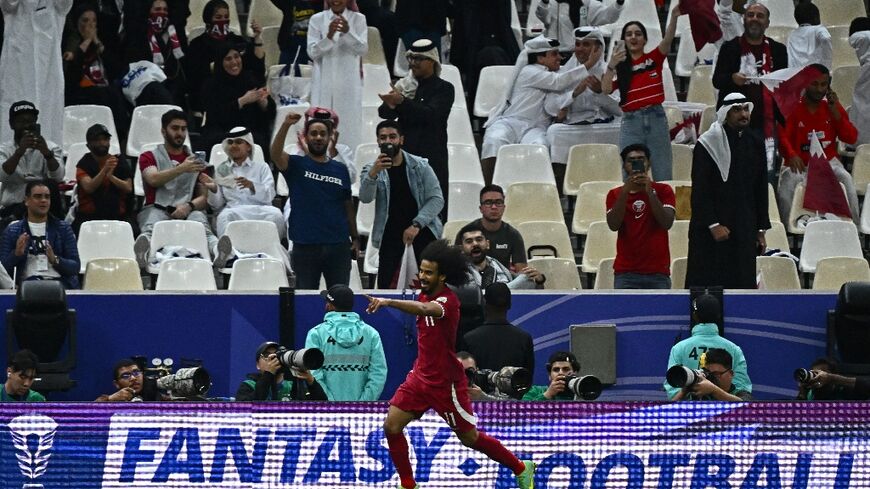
(641,211)
(407,200)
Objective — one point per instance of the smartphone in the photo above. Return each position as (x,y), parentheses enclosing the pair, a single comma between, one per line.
(389,149)
(200,156)
(620,45)
(638,166)
(36,129)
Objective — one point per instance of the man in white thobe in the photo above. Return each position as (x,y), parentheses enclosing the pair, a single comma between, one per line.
(561,17)
(859,113)
(811,42)
(30,63)
(337,41)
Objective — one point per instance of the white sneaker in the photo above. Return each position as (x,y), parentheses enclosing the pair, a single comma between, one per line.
(141,248)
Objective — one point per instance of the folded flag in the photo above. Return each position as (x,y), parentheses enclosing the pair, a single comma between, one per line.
(823,192)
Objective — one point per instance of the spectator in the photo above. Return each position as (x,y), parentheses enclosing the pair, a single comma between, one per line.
(407,201)
(561,364)
(128,380)
(811,42)
(212,47)
(322,215)
(561,17)
(643,259)
(641,87)
(293,33)
(729,200)
(421,103)
(819,111)
(705,336)
(28,157)
(581,105)
(270,384)
(484,270)
(505,243)
(354,365)
(236,97)
(337,41)
(498,343)
(718,384)
(859,39)
(20,374)
(30,61)
(105,181)
(109,23)
(172,190)
(520,117)
(40,246)
(826,384)
(422,19)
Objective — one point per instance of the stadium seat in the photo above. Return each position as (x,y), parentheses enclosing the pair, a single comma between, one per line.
(370,120)
(776,237)
(604,279)
(264,12)
(678,239)
(105,239)
(305,71)
(546,238)
(561,273)
(491,88)
(600,244)
(781,12)
(376,80)
(840,12)
(281,188)
(249,236)
(175,232)
(530,201)
(708,117)
(865,213)
(861,169)
(185,274)
(375,54)
(834,271)
(682,158)
(772,207)
(400,62)
(777,273)
(463,163)
(145,128)
(843,80)
(78,118)
(824,239)
(678,273)
(844,54)
(459,126)
(112,274)
(591,205)
(591,163)
(674,115)
(779,33)
(281,114)
(451,228)
(515,23)
(464,201)
(355,279)
(643,11)
(670,88)
(138,186)
(74,154)
(534,26)
(194,21)
(701,86)
(217,155)
(265,274)
(523,163)
(451,74)
(365,153)
(270,45)
(797,210)
(370,263)
(365,218)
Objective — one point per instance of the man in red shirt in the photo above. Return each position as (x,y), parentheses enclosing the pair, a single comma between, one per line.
(641,211)
(819,111)
(438,380)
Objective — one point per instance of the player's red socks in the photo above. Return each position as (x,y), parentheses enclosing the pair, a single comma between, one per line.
(493,449)
(399,453)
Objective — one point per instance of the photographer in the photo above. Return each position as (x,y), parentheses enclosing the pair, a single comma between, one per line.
(716,385)
(474,392)
(407,202)
(560,365)
(269,383)
(128,380)
(824,384)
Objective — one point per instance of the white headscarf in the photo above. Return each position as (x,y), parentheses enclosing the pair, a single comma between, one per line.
(407,86)
(715,141)
(589,32)
(535,45)
(860,42)
(238,133)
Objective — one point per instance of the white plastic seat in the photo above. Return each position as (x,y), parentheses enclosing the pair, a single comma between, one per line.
(781,12)
(217,155)
(701,86)
(776,237)
(861,169)
(829,238)
(105,239)
(78,118)
(643,11)
(75,153)
(529,201)
(605,277)
(463,163)
(185,274)
(797,209)
(544,238)
(451,228)
(145,128)
(365,153)
(370,120)
(281,187)
(682,158)
(249,236)
(376,80)
(779,33)
(365,218)
(450,73)
(112,274)
(264,12)
(674,116)
(591,163)
(777,273)
(600,244)
(834,271)
(523,163)
(464,201)
(561,273)
(270,45)
(708,117)
(175,232)
(281,114)
(678,239)
(305,71)
(843,53)
(843,80)
(375,54)
(459,126)
(772,207)
(491,88)
(678,273)
(591,205)
(264,274)
(865,213)
(840,12)
(138,185)
(534,25)
(370,263)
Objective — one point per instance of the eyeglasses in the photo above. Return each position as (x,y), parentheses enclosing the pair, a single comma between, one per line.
(490,203)
(413,58)
(236,141)
(718,374)
(130,375)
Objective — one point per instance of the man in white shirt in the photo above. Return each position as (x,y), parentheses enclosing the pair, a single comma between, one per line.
(811,42)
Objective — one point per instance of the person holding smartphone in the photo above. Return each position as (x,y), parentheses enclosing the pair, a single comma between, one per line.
(641,211)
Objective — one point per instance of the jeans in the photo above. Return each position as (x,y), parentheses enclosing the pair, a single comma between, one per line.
(649,126)
(641,281)
(312,260)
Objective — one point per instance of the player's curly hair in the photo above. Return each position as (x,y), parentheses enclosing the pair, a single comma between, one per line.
(450,259)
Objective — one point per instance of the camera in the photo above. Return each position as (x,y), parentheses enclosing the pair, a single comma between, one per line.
(805,376)
(190,382)
(389,149)
(304,358)
(587,387)
(511,381)
(682,377)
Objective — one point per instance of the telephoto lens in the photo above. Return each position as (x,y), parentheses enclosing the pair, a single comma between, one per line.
(587,387)
(682,377)
(305,358)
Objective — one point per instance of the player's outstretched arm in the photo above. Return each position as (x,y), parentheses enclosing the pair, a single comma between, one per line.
(409,307)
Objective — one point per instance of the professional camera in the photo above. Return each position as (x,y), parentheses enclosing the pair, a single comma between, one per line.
(805,376)
(587,387)
(512,381)
(682,377)
(190,382)
(305,358)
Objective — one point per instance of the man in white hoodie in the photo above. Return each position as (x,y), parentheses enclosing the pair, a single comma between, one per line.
(859,39)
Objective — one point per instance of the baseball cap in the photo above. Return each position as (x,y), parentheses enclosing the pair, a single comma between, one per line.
(21,106)
(265,346)
(707,308)
(96,131)
(340,296)
(498,294)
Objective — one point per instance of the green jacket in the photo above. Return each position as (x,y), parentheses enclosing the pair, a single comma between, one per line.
(536,393)
(32,396)
(704,337)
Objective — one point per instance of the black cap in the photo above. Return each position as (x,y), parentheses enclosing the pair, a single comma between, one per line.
(340,296)
(498,294)
(96,131)
(263,347)
(707,308)
(21,106)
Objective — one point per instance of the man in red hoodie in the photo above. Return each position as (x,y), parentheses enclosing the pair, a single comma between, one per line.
(819,111)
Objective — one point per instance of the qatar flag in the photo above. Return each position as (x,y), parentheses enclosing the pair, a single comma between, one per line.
(788,86)
(703,21)
(823,192)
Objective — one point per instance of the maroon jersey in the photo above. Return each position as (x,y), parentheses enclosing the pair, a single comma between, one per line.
(436,362)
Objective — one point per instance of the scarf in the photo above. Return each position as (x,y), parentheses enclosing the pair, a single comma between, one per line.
(749,66)
(94,75)
(715,140)
(860,42)
(535,45)
(218,30)
(157,24)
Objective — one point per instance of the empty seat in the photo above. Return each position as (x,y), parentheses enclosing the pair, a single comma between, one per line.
(458,126)
(591,163)
(600,244)
(797,209)
(561,273)
(78,118)
(701,86)
(840,12)
(74,154)
(776,237)
(861,169)
(779,33)
(829,238)
(591,205)
(772,207)
(491,88)
(258,274)
(605,278)
(463,163)
(865,213)
(370,120)
(464,201)
(678,273)
(189,234)
(833,272)
(281,188)
(370,263)
(376,80)
(781,12)
(249,236)
(523,163)
(451,228)
(375,54)
(777,273)
(281,114)
(105,239)
(843,80)
(544,238)
(450,73)
(678,239)
(185,274)
(530,201)
(708,117)
(682,161)
(145,128)
(112,274)
(843,53)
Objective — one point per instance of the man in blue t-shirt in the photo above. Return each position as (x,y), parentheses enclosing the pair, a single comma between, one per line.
(322,224)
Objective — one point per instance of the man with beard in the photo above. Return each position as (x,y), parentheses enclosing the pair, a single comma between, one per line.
(729,201)
(322,223)
(505,242)
(407,202)
(104,181)
(128,380)
(484,270)
(438,380)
